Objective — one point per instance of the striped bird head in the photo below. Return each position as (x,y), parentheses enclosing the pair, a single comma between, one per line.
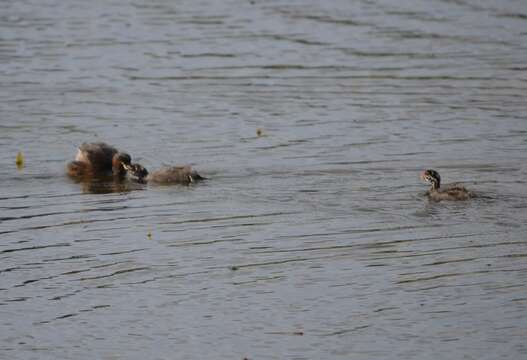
(432,177)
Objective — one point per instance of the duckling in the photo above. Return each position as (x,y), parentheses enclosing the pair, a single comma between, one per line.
(183,175)
(449,192)
(98,159)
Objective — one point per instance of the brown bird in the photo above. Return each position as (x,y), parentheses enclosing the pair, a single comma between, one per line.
(448,192)
(183,175)
(98,160)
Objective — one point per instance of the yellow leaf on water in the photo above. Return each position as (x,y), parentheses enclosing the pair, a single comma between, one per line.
(19,160)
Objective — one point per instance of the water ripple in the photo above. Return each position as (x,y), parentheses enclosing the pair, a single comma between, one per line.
(313,237)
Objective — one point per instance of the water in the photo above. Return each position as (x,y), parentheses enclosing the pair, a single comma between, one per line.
(311,241)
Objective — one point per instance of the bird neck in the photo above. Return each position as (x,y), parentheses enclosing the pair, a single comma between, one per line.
(435,184)
(118,169)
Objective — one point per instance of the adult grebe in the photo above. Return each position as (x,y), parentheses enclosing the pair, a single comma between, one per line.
(448,192)
(98,159)
(184,175)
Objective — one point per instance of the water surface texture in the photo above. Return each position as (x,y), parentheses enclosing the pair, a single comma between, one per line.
(311,241)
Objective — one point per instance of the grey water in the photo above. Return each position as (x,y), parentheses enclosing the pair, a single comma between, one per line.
(313,240)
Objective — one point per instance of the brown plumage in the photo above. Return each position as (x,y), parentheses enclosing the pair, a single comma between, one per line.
(183,175)
(96,160)
(447,192)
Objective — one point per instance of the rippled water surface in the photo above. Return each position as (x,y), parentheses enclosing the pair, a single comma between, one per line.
(311,241)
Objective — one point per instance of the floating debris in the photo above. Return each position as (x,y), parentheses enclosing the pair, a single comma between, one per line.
(259,132)
(19,160)
(149,235)
(234,267)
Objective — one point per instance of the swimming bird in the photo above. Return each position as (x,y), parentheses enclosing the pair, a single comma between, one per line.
(98,159)
(448,192)
(183,175)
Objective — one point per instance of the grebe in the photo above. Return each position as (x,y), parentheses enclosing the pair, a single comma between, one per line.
(98,159)
(183,175)
(449,192)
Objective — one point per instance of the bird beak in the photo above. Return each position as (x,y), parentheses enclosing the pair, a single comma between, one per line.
(127,167)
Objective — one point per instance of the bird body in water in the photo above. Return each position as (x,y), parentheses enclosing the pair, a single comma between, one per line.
(447,192)
(98,160)
(168,175)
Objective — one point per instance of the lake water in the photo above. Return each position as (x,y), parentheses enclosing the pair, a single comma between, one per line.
(311,241)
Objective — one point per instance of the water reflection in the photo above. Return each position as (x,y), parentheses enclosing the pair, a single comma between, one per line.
(107,185)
